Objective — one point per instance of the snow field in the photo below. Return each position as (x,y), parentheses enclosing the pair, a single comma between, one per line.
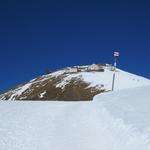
(113,121)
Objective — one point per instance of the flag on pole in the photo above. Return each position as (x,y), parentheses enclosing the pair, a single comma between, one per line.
(116,54)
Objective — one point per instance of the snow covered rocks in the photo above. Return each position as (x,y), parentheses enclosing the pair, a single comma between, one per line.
(74,84)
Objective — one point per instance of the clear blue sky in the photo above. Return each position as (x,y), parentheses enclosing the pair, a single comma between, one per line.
(36,35)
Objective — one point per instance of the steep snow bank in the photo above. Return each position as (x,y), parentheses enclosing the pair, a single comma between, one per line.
(133,106)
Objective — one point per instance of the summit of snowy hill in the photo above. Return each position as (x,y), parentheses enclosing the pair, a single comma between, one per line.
(124,80)
(75,83)
(113,121)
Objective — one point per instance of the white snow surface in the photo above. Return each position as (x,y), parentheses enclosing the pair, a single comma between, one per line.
(124,80)
(42,94)
(112,121)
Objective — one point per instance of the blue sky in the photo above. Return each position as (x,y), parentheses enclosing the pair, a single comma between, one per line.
(43,34)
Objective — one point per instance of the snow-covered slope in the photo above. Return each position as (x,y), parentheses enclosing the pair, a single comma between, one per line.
(124,80)
(80,85)
(113,121)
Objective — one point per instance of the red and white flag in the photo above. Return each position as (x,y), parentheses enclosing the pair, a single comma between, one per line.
(116,54)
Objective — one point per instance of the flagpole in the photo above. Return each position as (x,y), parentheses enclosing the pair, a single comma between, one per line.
(116,54)
(114,73)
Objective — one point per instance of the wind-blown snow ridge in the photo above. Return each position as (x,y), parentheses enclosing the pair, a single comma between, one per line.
(132,105)
(131,109)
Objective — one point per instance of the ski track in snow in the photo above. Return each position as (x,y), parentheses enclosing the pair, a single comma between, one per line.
(113,121)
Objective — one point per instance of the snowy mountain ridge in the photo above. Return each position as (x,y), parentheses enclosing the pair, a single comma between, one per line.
(75,83)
